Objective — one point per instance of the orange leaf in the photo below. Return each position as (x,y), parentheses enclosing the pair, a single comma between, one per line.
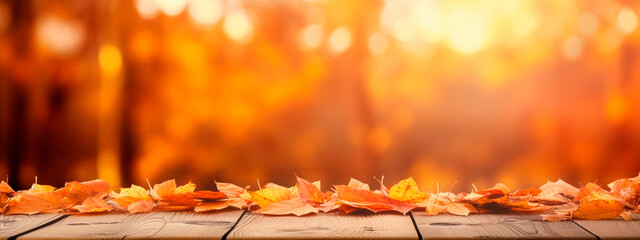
(309,192)
(293,206)
(34,202)
(588,190)
(6,192)
(5,188)
(231,202)
(527,192)
(372,201)
(163,189)
(93,204)
(407,191)
(594,209)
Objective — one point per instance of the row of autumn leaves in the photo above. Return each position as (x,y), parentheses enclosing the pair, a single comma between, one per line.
(557,201)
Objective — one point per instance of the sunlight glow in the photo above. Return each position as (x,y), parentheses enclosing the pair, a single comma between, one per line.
(237,26)
(467,30)
(340,40)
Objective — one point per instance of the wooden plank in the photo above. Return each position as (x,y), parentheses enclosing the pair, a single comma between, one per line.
(12,225)
(613,229)
(495,226)
(166,225)
(325,226)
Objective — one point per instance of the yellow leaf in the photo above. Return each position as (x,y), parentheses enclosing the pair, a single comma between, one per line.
(187,188)
(130,195)
(267,196)
(407,191)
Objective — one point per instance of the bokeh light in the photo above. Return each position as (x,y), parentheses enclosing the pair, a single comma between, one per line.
(512,91)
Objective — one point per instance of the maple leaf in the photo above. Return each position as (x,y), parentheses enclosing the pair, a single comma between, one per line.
(594,209)
(435,207)
(6,192)
(309,192)
(269,195)
(375,202)
(295,206)
(229,189)
(75,192)
(358,185)
(598,205)
(130,195)
(93,204)
(407,191)
(184,196)
(34,202)
(558,192)
(238,197)
(587,190)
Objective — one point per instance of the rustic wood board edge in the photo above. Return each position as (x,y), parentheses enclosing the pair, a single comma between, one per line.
(496,226)
(36,227)
(158,225)
(325,226)
(612,228)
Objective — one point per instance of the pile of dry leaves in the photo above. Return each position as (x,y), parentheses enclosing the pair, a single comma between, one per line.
(557,201)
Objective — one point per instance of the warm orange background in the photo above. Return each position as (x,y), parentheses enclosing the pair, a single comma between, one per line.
(475,91)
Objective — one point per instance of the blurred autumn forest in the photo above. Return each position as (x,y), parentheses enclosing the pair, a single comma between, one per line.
(470,91)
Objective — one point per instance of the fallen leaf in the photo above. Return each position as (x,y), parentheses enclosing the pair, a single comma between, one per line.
(93,204)
(369,200)
(293,206)
(558,192)
(358,185)
(140,207)
(309,192)
(41,188)
(407,191)
(588,190)
(460,209)
(34,202)
(6,192)
(270,195)
(594,209)
(219,205)
(130,195)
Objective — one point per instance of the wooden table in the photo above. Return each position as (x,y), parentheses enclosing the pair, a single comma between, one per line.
(236,224)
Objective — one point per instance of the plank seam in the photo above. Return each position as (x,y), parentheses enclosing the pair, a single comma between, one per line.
(415,225)
(224,237)
(597,237)
(41,226)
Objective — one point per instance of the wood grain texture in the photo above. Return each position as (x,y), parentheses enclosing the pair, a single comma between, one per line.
(12,225)
(496,226)
(613,229)
(325,226)
(157,225)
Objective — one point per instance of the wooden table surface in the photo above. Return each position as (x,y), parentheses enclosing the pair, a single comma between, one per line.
(237,224)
